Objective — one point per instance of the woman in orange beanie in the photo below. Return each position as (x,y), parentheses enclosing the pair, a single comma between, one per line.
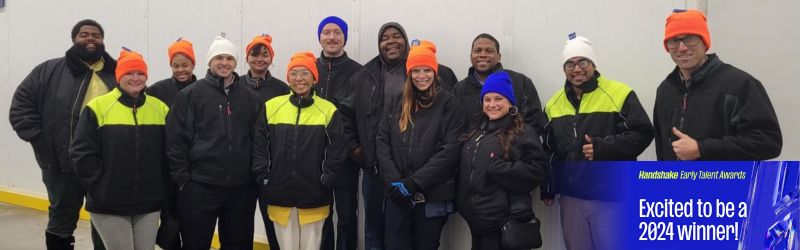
(182,62)
(417,149)
(298,164)
(119,156)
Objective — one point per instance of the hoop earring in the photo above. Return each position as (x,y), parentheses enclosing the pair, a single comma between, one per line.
(516,111)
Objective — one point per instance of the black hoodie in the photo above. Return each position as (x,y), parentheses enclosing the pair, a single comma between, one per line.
(725,109)
(361,102)
(46,105)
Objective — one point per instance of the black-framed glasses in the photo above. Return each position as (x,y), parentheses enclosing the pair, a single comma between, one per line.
(571,65)
(690,40)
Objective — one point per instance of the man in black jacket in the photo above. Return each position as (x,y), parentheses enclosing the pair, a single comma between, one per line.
(44,111)
(591,118)
(361,103)
(335,68)
(209,135)
(706,109)
(485,58)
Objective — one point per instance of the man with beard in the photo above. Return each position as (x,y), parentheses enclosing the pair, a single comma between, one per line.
(209,144)
(707,109)
(361,103)
(596,119)
(485,58)
(44,111)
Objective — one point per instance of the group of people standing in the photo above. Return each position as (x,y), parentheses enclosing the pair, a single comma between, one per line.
(426,144)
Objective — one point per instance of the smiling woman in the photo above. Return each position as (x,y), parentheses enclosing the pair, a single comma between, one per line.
(417,151)
(297,167)
(118,153)
(182,63)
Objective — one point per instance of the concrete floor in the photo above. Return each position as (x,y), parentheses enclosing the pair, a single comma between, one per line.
(23,229)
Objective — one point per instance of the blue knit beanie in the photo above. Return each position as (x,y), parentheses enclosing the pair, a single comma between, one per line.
(337,21)
(499,83)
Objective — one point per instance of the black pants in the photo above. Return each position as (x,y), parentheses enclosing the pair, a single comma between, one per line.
(268,225)
(346,203)
(488,241)
(374,202)
(201,204)
(408,229)
(66,194)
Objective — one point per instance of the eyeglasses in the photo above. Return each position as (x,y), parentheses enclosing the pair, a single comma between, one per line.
(304,73)
(674,43)
(571,65)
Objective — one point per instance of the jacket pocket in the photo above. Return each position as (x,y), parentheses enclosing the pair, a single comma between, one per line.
(43,156)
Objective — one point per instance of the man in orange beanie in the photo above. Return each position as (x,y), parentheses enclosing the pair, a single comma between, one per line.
(85,72)
(259,79)
(182,62)
(706,109)
(335,68)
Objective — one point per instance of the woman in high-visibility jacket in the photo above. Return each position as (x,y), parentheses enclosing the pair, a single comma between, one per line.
(119,156)
(297,154)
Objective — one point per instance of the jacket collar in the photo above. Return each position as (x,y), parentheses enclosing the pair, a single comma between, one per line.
(252,81)
(491,126)
(77,67)
(219,82)
(332,61)
(471,76)
(182,85)
(587,87)
(128,100)
(699,75)
(300,102)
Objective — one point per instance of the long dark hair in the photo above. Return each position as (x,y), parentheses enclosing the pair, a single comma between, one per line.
(506,134)
(410,99)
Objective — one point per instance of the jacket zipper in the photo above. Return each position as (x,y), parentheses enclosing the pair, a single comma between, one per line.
(328,81)
(410,147)
(71,116)
(230,135)
(221,121)
(472,167)
(294,153)
(683,112)
(474,153)
(136,159)
(575,127)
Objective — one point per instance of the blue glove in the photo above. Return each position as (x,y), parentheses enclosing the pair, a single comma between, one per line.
(407,195)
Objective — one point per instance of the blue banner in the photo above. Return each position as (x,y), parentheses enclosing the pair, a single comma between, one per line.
(710,205)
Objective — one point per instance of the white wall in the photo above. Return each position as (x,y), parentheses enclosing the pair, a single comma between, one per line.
(756,36)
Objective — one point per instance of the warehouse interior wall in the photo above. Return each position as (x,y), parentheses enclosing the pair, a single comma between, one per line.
(756,36)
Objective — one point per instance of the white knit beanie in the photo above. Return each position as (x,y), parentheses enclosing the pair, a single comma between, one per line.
(221,46)
(578,46)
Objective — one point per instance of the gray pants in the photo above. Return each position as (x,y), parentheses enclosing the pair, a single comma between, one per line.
(132,232)
(590,224)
